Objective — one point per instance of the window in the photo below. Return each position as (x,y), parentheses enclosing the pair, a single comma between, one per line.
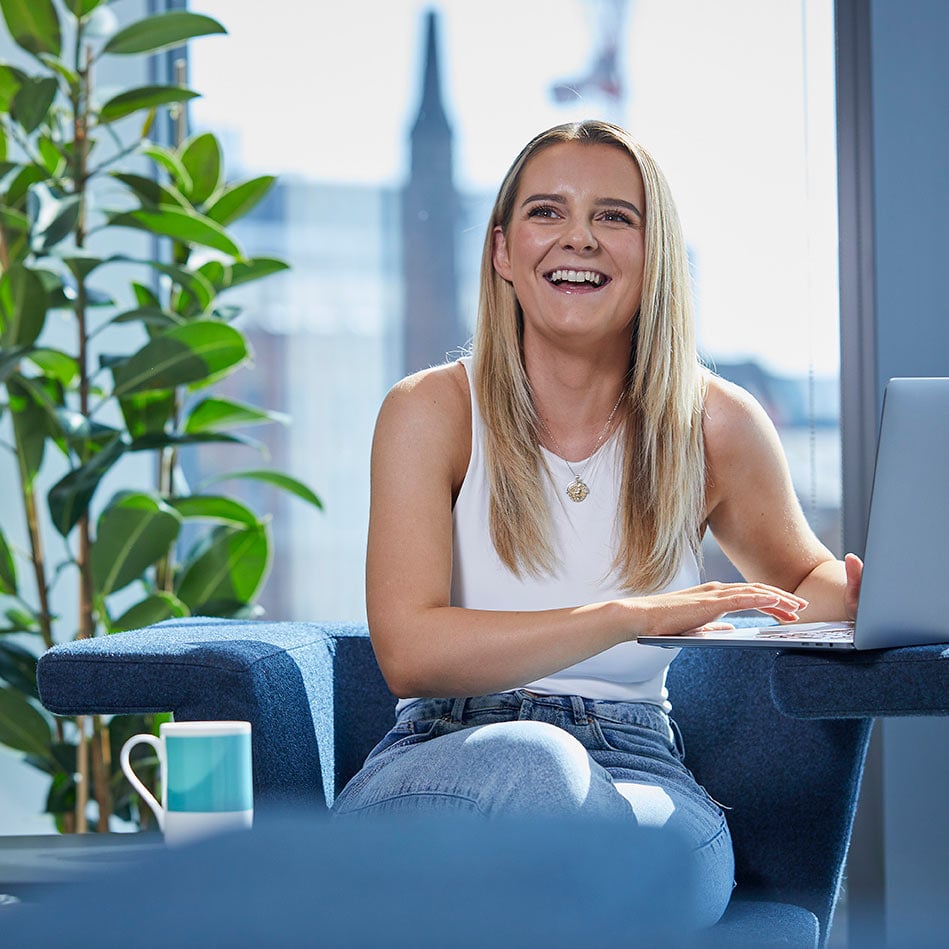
(735,99)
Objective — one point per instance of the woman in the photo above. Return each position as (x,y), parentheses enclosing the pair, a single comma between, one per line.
(538,505)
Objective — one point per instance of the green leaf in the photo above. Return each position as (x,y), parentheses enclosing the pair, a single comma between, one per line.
(61,226)
(275,478)
(170,161)
(14,220)
(212,414)
(244,271)
(34,25)
(237,200)
(70,497)
(147,412)
(32,102)
(161,31)
(153,609)
(153,316)
(21,726)
(230,565)
(82,265)
(10,359)
(53,159)
(145,296)
(182,355)
(58,365)
(30,427)
(214,508)
(71,78)
(201,157)
(150,191)
(60,760)
(144,97)
(82,8)
(28,175)
(21,621)
(150,441)
(7,568)
(18,667)
(133,533)
(192,281)
(23,303)
(180,225)
(11,79)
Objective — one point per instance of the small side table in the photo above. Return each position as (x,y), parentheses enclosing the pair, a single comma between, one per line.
(32,863)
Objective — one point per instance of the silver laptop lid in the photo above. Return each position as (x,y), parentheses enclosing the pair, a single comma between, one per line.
(905,580)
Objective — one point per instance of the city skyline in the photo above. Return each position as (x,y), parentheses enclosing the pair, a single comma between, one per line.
(744,131)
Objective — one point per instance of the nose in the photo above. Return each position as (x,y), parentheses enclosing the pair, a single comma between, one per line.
(578,236)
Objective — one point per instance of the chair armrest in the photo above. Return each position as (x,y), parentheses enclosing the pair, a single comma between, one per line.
(298,684)
(911,680)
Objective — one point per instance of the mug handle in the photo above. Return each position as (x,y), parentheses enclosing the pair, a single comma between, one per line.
(134,779)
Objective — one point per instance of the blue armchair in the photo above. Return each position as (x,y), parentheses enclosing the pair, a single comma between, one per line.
(789,772)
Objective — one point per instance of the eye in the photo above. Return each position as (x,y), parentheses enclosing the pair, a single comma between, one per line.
(543,211)
(617,217)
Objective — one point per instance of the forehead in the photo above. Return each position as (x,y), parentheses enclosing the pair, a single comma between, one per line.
(605,170)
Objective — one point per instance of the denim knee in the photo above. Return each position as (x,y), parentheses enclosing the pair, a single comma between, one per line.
(514,767)
(533,767)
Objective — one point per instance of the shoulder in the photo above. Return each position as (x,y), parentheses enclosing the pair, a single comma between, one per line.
(741,442)
(428,414)
(732,417)
(438,395)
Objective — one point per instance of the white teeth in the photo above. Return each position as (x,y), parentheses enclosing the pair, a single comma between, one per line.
(577,276)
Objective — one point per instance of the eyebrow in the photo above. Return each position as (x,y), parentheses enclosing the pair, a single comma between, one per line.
(600,202)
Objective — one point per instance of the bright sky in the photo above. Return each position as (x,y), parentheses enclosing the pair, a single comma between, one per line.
(715,91)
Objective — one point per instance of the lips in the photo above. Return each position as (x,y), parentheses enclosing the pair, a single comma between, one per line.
(577,279)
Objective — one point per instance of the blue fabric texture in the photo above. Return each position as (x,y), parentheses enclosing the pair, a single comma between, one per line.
(298,684)
(790,786)
(912,680)
(317,705)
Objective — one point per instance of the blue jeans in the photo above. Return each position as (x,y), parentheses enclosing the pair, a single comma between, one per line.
(519,753)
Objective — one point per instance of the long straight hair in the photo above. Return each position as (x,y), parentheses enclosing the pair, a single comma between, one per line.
(663,477)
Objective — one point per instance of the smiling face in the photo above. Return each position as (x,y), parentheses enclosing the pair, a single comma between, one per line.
(574,247)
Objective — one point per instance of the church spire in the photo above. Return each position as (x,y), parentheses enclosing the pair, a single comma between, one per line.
(431,113)
(432,326)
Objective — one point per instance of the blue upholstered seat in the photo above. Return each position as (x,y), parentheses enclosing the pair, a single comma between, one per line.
(317,703)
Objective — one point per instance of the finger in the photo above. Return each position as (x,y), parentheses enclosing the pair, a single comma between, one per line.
(854,568)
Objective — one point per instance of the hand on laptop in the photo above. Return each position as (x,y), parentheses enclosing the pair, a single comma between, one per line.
(703,606)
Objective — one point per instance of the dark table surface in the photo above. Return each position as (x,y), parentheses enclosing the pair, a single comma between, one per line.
(37,861)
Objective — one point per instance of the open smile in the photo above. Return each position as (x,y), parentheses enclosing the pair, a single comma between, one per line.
(577,279)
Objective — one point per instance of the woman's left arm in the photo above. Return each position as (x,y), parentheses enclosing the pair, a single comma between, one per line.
(755,515)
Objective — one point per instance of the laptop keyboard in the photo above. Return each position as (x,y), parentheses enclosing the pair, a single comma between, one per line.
(840,632)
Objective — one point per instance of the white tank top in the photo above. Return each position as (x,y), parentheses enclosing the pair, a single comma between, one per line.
(584,546)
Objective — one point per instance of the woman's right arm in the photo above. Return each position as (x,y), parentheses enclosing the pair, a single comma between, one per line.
(427,647)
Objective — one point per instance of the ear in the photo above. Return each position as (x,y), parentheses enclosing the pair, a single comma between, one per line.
(502,262)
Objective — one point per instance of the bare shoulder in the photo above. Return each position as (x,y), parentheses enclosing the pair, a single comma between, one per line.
(428,414)
(734,420)
(742,449)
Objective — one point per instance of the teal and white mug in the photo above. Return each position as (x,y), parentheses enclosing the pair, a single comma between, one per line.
(206,778)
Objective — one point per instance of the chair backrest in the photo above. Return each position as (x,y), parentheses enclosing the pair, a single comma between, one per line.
(791,784)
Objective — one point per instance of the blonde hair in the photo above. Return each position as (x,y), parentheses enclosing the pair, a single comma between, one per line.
(663,478)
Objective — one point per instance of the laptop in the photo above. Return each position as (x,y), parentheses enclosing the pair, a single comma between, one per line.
(905,574)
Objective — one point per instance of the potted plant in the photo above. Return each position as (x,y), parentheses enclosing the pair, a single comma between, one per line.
(134,377)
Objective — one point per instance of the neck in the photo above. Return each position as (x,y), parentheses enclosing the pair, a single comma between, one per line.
(577,414)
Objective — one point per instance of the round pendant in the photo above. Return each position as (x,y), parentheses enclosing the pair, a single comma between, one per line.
(577,490)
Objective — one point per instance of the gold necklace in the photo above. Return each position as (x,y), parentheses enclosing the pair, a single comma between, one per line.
(578,490)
